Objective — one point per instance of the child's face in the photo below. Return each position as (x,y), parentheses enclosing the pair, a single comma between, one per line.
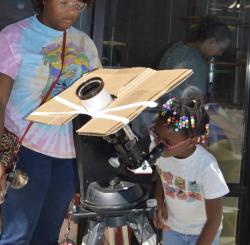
(177,144)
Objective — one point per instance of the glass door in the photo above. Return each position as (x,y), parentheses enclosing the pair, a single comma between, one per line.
(136,33)
(227,110)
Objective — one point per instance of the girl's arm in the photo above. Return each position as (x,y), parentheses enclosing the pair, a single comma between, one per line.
(161,215)
(6,84)
(159,194)
(214,209)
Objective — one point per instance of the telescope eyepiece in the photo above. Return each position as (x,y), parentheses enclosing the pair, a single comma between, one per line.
(90,88)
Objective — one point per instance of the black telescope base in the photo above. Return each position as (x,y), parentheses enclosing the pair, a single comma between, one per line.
(136,219)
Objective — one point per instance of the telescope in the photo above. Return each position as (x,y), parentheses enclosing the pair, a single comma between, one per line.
(113,199)
(114,163)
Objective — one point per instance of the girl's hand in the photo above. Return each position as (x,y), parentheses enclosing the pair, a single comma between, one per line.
(3,183)
(160,217)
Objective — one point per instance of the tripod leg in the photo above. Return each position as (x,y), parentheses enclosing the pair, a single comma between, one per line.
(143,230)
(95,234)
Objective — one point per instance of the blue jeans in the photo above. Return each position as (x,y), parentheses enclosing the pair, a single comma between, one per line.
(175,238)
(34,214)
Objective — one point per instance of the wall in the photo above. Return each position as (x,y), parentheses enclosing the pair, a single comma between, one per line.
(13,10)
(137,32)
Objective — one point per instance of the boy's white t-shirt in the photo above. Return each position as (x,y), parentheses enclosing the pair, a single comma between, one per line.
(187,183)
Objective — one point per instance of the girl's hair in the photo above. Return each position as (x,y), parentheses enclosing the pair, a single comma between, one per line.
(187,116)
(38,4)
(210,27)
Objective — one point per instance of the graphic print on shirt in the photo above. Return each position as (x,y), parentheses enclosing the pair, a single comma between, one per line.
(178,187)
(169,190)
(76,63)
(168,177)
(194,191)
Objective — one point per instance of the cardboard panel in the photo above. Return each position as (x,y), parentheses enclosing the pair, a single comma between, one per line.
(130,85)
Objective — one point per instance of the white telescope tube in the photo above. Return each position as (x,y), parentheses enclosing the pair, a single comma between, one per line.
(93,95)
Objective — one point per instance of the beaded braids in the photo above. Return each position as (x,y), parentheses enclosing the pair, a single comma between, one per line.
(187,116)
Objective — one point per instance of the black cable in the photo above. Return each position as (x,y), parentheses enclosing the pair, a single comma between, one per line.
(88,229)
(157,230)
(142,225)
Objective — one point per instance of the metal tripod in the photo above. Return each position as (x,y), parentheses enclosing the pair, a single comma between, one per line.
(136,219)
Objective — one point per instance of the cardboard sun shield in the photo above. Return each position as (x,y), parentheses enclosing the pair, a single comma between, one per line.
(128,85)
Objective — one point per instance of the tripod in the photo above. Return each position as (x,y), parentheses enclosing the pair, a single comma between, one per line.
(112,197)
(136,219)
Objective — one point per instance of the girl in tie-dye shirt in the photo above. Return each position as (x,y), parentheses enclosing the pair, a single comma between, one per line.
(30,61)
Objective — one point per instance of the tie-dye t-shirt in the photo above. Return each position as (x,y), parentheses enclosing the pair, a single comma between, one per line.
(30,55)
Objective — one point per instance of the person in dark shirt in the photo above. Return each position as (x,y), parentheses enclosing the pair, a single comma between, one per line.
(210,38)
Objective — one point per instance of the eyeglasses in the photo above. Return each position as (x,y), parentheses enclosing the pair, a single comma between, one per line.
(79,6)
(159,140)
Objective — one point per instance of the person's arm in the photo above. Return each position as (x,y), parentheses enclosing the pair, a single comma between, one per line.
(214,218)
(161,214)
(6,84)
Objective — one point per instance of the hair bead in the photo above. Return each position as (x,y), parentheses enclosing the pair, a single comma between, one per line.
(184,114)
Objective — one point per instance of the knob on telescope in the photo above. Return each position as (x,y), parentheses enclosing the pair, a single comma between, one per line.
(149,160)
